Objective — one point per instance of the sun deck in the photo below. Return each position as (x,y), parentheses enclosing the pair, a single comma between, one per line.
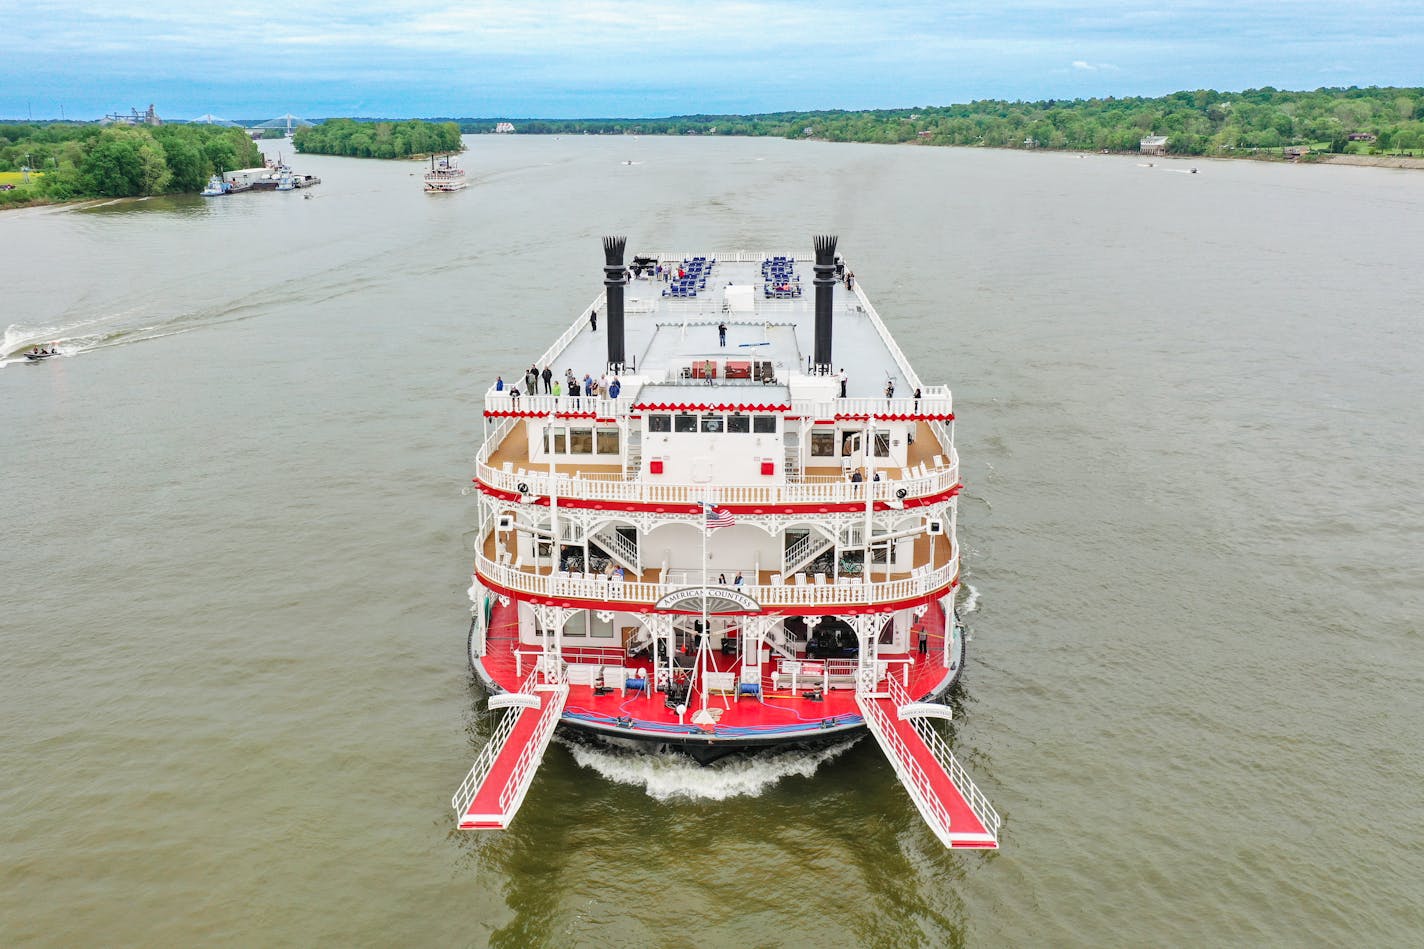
(664,331)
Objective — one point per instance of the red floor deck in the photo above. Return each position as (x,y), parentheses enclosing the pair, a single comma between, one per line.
(780,712)
(487,811)
(965,829)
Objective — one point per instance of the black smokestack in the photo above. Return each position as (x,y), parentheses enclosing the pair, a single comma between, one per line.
(825,287)
(613,294)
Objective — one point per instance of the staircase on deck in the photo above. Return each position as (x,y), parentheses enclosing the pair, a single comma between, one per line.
(948,800)
(491,793)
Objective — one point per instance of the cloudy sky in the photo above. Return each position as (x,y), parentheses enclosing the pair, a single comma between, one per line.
(603,58)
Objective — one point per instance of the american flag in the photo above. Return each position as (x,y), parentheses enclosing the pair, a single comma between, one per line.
(718,516)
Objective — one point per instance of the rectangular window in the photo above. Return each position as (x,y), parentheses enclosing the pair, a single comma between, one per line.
(600,628)
(882,445)
(712,423)
(823,444)
(608,441)
(557,442)
(580,441)
(659,423)
(577,625)
(685,423)
(739,424)
(764,424)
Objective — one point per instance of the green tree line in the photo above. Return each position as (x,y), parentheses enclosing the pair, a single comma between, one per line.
(90,161)
(378,139)
(1202,122)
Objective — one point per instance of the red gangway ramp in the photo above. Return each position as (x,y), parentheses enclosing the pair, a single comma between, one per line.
(948,800)
(491,793)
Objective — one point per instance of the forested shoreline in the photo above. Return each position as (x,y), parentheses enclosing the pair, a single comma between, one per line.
(86,160)
(70,161)
(378,139)
(1203,122)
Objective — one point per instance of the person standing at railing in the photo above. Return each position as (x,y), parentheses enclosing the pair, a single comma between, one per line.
(548,375)
(614,388)
(844,381)
(593,320)
(499,383)
(531,381)
(889,388)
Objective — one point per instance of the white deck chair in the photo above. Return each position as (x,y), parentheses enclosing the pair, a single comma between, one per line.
(820,579)
(776,579)
(509,467)
(800,579)
(939,461)
(905,474)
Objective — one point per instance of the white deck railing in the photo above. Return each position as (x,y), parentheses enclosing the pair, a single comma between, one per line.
(935,401)
(484,761)
(978,803)
(910,772)
(613,487)
(603,589)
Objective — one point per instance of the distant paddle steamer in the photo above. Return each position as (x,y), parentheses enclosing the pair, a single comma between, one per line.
(742,538)
(444,175)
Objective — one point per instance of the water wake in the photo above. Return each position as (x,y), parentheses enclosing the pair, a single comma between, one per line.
(669,777)
(971,600)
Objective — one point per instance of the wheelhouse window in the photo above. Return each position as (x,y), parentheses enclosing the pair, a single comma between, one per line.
(685,423)
(712,423)
(608,441)
(659,423)
(580,441)
(764,424)
(739,424)
(823,444)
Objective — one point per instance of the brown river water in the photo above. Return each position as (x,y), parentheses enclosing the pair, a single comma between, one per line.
(235,698)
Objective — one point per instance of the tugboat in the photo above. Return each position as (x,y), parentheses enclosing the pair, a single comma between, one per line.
(735,538)
(216,187)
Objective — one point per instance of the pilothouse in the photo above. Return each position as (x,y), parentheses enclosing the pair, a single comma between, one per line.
(719,514)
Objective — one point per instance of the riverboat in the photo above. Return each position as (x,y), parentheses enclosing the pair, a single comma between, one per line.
(444,175)
(740,536)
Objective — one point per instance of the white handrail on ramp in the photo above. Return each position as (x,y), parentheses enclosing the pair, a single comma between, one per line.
(937,800)
(545,702)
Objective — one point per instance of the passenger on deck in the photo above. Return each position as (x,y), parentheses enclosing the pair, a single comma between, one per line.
(856,477)
(514,396)
(548,374)
(499,383)
(890,389)
(737,581)
(615,388)
(845,379)
(722,334)
(593,320)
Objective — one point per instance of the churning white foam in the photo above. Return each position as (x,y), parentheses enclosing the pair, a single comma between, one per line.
(971,600)
(669,776)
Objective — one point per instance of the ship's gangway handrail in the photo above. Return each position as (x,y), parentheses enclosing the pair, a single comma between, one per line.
(912,775)
(517,784)
(978,803)
(484,761)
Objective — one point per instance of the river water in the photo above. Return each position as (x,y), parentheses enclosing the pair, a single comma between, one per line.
(234,691)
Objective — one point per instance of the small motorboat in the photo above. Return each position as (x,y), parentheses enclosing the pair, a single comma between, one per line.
(36,357)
